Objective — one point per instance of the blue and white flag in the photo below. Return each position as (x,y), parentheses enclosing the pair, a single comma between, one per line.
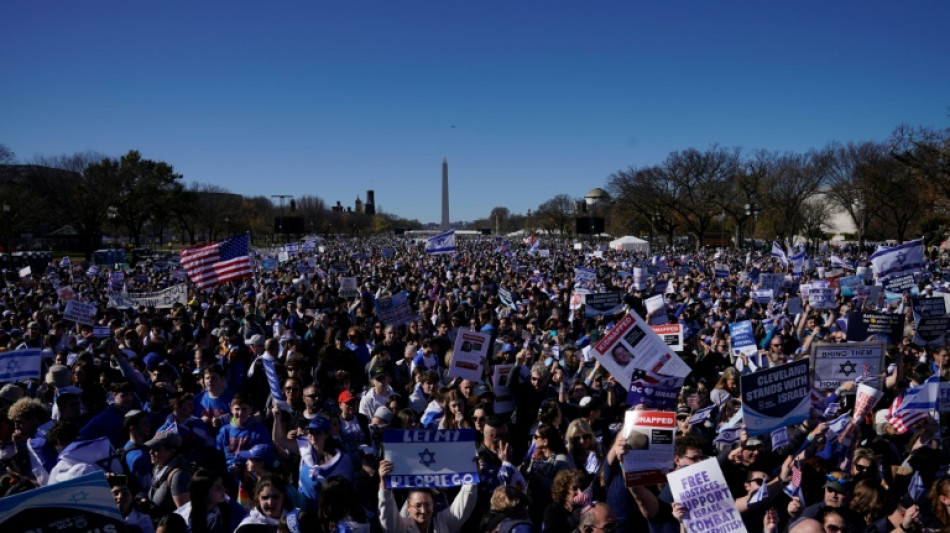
(441,244)
(702,415)
(431,415)
(728,436)
(20,365)
(81,504)
(906,258)
(309,246)
(65,262)
(760,495)
(92,271)
(798,260)
(838,426)
(84,456)
(273,381)
(916,488)
(914,405)
(779,438)
(430,458)
(292,248)
(837,262)
(779,253)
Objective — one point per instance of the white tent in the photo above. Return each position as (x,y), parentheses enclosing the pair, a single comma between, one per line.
(630,243)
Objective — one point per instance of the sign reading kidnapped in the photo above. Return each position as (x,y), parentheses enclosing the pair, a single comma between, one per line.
(163,299)
(776,397)
(430,458)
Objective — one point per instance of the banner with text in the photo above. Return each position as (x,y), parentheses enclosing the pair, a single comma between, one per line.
(430,458)
(836,363)
(650,440)
(163,299)
(702,490)
(776,397)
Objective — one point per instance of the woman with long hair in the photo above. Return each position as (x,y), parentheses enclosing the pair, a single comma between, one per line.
(339,506)
(270,503)
(726,388)
(583,447)
(868,500)
(454,407)
(567,494)
(549,456)
(940,504)
(210,510)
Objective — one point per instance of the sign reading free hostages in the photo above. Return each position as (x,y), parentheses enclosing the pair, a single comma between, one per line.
(163,299)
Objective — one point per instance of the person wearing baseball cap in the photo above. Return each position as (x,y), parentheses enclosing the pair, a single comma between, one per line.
(379,395)
(320,458)
(170,473)
(354,426)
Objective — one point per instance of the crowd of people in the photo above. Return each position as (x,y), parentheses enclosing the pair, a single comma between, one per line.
(182,395)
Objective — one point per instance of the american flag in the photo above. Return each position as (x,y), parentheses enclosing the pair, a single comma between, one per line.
(914,405)
(794,487)
(213,264)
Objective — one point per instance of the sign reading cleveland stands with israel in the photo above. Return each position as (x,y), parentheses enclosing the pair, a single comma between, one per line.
(430,458)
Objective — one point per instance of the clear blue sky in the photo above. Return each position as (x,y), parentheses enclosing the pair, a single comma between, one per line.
(332,98)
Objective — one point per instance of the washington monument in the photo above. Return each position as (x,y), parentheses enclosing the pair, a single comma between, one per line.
(445,194)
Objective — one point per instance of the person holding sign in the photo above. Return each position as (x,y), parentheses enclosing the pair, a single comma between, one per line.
(418,515)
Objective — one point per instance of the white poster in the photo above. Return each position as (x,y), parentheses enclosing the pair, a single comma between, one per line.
(650,439)
(702,489)
(80,312)
(632,346)
(469,355)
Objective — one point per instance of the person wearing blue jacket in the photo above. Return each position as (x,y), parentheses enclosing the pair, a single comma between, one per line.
(241,434)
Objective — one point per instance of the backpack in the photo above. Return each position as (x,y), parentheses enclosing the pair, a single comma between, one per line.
(133,482)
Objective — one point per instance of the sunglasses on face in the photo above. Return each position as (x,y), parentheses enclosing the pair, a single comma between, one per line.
(758,480)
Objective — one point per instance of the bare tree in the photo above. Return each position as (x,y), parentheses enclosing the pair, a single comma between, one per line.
(556,215)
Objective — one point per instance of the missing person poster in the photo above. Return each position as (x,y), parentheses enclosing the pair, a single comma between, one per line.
(631,345)
(776,397)
(468,357)
(430,458)
(672,335)
(504,400)
(836,363)
(702,489)
(650,439)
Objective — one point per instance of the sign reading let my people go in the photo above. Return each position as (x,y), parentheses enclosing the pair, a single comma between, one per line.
(430,458)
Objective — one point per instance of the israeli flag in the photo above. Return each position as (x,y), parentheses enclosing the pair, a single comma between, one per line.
(85,456)
(432,415)
(65,262)
(702,415)
(779,253)
(908,257)
(760,495)
(441,244)
(916,488)
(837,262)
(92,271)
(779,438)
(728,436)
(273,381)
(798,260)
(20,365)
(309,246)
(837,426)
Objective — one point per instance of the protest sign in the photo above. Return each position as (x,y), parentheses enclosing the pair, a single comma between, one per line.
(339,267)
(66,293)
(504,400)
(849,285)
(656,310)
(79,505)
(702,490)
(508,298)
(632,346)
(577,300)
(776,397)
(650,391)
(25,272)
(769,281)
(283,256)
(650,440)
(836,363)
(430,458)
(468,357)
(640,278)
(101,332)
(894,286)
(585,277)
(269,264)
(930,321)
(395,310)
(761,296)
(794,306)
(672,335)
(80,312)
(865,400)
(742,338)
(722,272)
(349,288)
(864,325)
(163,299)
(821,298)
(605,303)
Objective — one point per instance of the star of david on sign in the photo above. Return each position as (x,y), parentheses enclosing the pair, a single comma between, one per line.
(13,365)
(847,368)
(78,496)
(427,457)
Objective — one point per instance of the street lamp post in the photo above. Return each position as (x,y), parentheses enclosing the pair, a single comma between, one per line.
(112,212)
(6,234)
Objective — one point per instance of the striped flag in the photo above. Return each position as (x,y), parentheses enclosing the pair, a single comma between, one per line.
(20,365)
(794,487)
(92,271)
(760,495)
(914,405)
(441,244)
(779,253)
(908,257)
(220,262)
(798,260)
(431,415)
